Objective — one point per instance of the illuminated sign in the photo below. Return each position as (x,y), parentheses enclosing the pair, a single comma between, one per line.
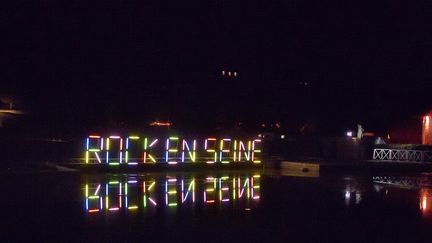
(131,193)
(134,150)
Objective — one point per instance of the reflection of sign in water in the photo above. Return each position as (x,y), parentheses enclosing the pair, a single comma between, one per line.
(135,193)
(134,150)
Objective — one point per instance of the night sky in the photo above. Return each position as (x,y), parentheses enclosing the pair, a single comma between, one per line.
(85,64)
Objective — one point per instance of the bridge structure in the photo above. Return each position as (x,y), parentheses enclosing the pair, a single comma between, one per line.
(403,155)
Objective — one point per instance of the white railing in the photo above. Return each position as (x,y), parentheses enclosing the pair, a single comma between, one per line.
(402,155)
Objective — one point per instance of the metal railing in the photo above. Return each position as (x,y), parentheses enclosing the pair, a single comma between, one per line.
(402,155)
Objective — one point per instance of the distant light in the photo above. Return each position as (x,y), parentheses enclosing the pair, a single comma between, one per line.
(349,133)
(347,195)
(229,73)
(426,121)
(160,124)
(283,136)
(260,135)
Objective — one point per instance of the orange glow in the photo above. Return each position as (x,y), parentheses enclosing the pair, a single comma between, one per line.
(426,130)
(368,134)
(160,124)
(425,202)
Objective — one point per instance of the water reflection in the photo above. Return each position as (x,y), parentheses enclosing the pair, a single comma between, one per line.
(352,191)
(195,206)
(352,195)
(426,201)
(145,192)
(423,184)
(407,182)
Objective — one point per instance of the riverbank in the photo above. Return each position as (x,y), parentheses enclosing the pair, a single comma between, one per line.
(353,167)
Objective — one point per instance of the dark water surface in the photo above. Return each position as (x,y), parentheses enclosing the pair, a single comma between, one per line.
(237,206)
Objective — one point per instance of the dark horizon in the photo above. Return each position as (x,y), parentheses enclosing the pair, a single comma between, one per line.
(86,64)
